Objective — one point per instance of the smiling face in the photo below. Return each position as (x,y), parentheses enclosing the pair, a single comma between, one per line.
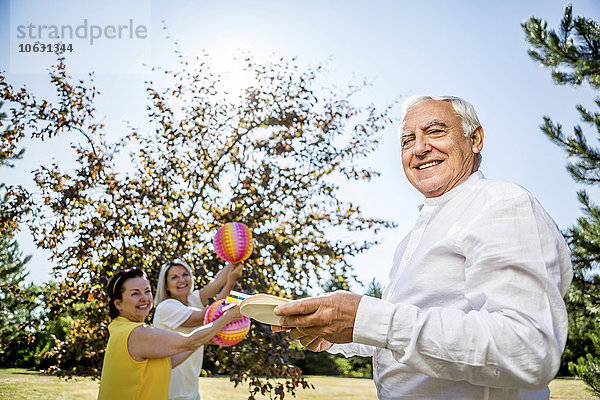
(436,154)
(136,299)
(179,283)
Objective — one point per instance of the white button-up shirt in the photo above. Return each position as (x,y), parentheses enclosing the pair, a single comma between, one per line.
(473,308)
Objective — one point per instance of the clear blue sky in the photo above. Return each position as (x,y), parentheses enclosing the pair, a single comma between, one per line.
(475,50)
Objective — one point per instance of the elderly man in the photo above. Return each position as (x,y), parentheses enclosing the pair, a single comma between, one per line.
(473,308)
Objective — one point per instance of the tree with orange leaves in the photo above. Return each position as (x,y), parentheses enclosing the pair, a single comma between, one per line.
(270,159)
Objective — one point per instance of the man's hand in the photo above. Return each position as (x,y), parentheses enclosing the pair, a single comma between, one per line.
(312,343)
(320,321)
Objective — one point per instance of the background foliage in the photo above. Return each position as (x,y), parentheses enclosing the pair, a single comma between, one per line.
(269,157)
(572,54)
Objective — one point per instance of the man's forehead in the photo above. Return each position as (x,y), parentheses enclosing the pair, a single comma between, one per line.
(430,112)
(430,105)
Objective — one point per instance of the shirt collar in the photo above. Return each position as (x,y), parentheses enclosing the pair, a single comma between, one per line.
(470,181)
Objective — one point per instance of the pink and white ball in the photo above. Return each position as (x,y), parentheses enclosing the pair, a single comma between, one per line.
(233,242)
(232,333)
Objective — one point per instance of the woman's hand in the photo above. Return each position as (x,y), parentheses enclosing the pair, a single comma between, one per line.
(235,273)
(224,281)
(233,314)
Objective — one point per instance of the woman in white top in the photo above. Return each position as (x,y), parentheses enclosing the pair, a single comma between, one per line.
(180,308)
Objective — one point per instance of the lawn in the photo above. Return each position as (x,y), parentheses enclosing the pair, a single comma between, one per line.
(19,384)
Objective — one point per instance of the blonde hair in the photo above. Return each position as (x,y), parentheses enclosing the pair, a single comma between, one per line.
(161,287)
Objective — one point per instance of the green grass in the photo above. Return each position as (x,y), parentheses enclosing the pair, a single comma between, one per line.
(569,389)
(326,387)
(20,384)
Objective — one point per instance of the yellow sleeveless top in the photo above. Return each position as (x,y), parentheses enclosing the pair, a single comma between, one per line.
(128,379)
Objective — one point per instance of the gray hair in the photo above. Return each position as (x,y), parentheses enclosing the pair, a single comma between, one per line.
(462,108)
(161,287)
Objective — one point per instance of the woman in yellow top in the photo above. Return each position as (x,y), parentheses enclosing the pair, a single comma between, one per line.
(138,357)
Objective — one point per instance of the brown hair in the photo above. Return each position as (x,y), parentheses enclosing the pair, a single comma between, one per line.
(113,289)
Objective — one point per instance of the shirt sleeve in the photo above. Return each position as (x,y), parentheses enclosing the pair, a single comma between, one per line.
(195,300)
(352,349)
(172,313)
(517,270)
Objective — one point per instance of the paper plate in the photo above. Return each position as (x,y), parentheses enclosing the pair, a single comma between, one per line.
(260,308)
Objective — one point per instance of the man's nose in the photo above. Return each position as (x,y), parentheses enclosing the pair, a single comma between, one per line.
(421,145)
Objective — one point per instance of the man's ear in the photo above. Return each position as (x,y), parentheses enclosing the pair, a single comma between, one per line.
(477,139)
